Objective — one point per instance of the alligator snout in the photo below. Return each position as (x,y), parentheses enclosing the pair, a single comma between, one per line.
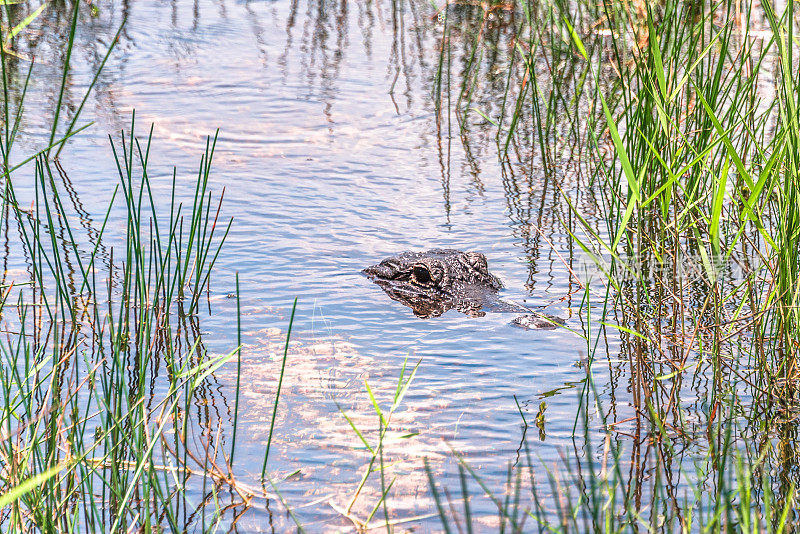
(377,271)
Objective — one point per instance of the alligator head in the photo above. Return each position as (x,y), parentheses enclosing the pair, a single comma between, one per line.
(430,283)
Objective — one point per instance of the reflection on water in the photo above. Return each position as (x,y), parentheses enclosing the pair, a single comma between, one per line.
(350,132)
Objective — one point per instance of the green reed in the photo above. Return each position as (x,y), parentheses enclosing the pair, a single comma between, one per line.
(102,382)
(689,167)
(376,453)
(106,372)
(687,163)
(725,489)
(702,176)
(93,333)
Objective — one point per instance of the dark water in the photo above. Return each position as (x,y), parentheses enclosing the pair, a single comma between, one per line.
(332,157)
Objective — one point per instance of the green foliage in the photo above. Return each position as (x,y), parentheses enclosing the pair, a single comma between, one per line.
(686,169)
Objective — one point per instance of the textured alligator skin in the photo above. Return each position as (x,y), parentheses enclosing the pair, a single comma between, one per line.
(433,282)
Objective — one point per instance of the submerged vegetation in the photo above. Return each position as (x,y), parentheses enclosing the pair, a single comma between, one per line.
(668,135)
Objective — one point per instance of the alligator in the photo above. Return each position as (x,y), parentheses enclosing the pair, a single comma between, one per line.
(433,282)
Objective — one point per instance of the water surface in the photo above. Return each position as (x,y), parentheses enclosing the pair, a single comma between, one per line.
(333,156)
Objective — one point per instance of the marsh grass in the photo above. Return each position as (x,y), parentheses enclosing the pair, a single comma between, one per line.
(105,379)
(681,124)
(108,422)
(608,484)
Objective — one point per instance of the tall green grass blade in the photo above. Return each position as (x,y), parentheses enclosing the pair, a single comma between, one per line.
(278,392)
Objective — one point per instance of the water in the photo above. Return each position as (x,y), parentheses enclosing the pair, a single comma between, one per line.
(332,157)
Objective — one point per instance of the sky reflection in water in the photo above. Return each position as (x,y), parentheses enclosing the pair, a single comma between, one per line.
(332,158)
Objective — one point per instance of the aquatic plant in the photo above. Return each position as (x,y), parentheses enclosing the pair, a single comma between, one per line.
(682,142)
(106,372)
(684,201)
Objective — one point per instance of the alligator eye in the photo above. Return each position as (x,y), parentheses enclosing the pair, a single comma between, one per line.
(422,275)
